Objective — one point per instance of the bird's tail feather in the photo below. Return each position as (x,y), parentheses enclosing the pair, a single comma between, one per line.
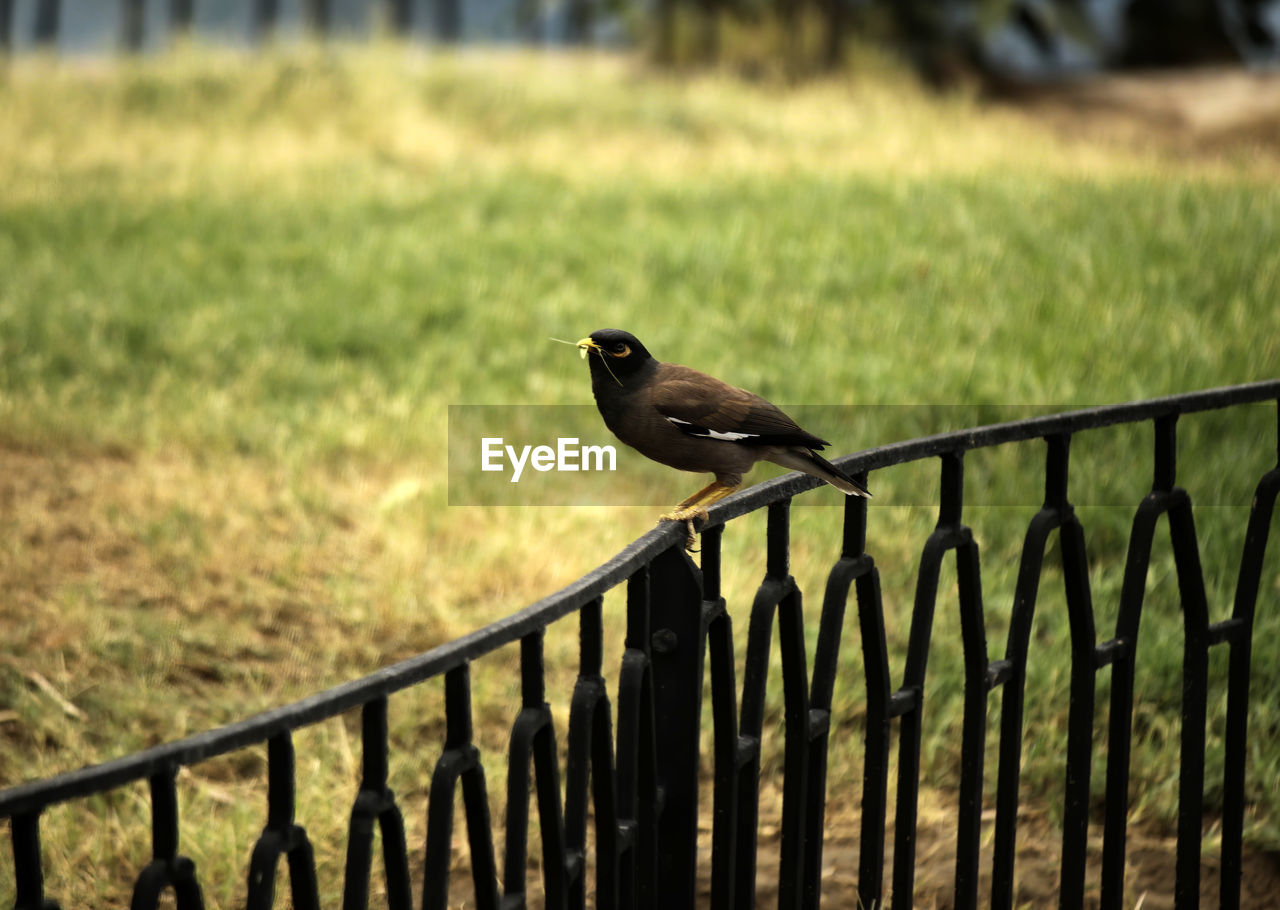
(808,461)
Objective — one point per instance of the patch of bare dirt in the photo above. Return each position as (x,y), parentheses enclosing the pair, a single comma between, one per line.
(1149,871)
(1210,110)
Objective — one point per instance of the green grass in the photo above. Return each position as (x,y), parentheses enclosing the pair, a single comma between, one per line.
(239,295)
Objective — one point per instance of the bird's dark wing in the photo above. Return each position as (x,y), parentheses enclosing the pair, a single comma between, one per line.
(701,405)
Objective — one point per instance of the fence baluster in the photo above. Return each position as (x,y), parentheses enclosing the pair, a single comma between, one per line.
(678,652)
(1195,692)
(590,763)
(851,565)
(750,724)
(281,837)
(875,667)
(533,739)
(1236,751)
(460,761)
(947,535)
(637,758)
(528,722)
(799,731)
(1122,651)
(730,750)
(1085,663)
(777,596)
(167,869)
(977,679)
(376,803)
(1047,520)
(28,865)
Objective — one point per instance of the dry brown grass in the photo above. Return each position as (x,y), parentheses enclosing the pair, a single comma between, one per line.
(242,572)
(154,596)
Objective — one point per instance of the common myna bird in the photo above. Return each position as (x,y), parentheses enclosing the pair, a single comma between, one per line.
(694,422)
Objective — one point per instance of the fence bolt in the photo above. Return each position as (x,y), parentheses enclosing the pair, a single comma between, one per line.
(665,641)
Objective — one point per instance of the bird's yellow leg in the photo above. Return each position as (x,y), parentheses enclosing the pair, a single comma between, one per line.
(696,505)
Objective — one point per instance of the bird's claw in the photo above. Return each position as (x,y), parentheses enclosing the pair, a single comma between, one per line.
(688,516)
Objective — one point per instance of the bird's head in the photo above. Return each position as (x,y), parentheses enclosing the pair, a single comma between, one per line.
(615,353)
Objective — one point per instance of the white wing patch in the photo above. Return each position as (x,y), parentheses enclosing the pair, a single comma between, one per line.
(695,430)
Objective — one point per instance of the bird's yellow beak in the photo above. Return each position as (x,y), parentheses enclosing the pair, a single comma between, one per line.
(586,346)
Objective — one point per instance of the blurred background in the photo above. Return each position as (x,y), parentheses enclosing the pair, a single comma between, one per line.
(246,271)
(1019,39)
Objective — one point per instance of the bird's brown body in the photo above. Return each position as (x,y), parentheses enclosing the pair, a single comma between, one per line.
(645,419)
(688,420)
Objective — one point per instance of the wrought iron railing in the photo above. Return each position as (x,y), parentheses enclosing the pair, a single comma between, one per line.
(640,785)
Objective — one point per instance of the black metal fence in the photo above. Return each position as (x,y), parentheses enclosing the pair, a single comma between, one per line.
(640,781)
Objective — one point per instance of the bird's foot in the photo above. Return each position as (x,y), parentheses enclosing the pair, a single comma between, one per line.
(688,516)
(684,514)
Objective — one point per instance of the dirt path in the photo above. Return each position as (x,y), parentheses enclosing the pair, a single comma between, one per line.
(1212,110)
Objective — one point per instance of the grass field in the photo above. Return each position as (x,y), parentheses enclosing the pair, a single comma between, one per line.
(238,295)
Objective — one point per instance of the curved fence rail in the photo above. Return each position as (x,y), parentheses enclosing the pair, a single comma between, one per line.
(635,769)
